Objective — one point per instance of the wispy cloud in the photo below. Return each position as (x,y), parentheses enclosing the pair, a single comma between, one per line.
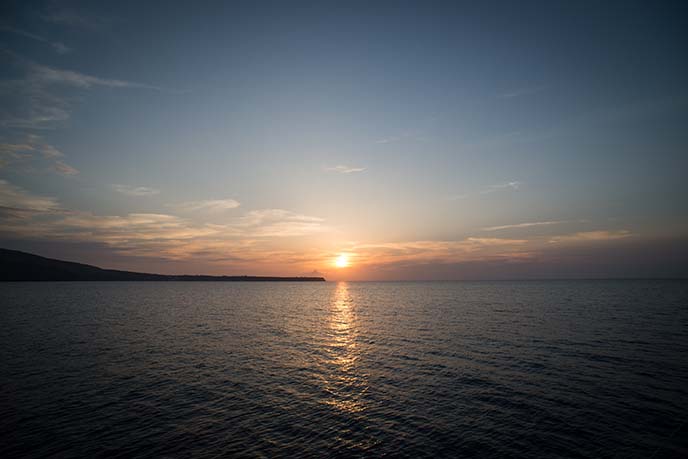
(421,252)
(342,169)
(412,134)
(12,152)
(521,92)
(32,146)
(471,249)
(256,239)
(501,186)
(51,75)
(209,205)
(591,236)
(135,190)
(390,139)
(15,198)
(280,223)
(64,169)
(38,99)
(70,18)
(251,238)
(513,186)
(524,225)
(58,47)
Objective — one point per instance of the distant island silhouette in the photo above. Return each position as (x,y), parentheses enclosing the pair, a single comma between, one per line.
(22,266)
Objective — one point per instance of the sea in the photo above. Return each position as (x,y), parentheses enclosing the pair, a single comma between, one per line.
(526,369)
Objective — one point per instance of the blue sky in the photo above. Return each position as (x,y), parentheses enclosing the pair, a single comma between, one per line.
(423,139)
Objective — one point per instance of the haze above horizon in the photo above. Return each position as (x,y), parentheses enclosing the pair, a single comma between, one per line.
(386,141)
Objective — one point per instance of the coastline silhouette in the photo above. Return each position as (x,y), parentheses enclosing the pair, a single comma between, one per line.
(22,266)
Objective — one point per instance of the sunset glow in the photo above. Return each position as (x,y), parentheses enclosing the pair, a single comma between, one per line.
(312,151)
(342,261)
(329,229)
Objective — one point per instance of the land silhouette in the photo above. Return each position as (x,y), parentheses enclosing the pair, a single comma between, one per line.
(22,266)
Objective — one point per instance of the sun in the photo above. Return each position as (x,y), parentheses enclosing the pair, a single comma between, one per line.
(342,261)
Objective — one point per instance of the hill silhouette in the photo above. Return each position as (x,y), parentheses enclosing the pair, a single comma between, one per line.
(22,266)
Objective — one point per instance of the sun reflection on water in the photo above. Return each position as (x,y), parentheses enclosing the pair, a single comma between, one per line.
(344,382)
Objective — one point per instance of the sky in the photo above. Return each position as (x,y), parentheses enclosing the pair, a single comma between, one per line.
(408,140)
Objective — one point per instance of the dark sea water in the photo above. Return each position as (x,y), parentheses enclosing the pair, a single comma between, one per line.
(454,369)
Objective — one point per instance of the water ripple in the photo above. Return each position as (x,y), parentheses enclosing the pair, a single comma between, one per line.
(502,369)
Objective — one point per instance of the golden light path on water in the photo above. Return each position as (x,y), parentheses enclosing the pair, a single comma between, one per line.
(344,380)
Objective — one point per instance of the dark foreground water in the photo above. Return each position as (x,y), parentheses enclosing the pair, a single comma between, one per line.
(483,369)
